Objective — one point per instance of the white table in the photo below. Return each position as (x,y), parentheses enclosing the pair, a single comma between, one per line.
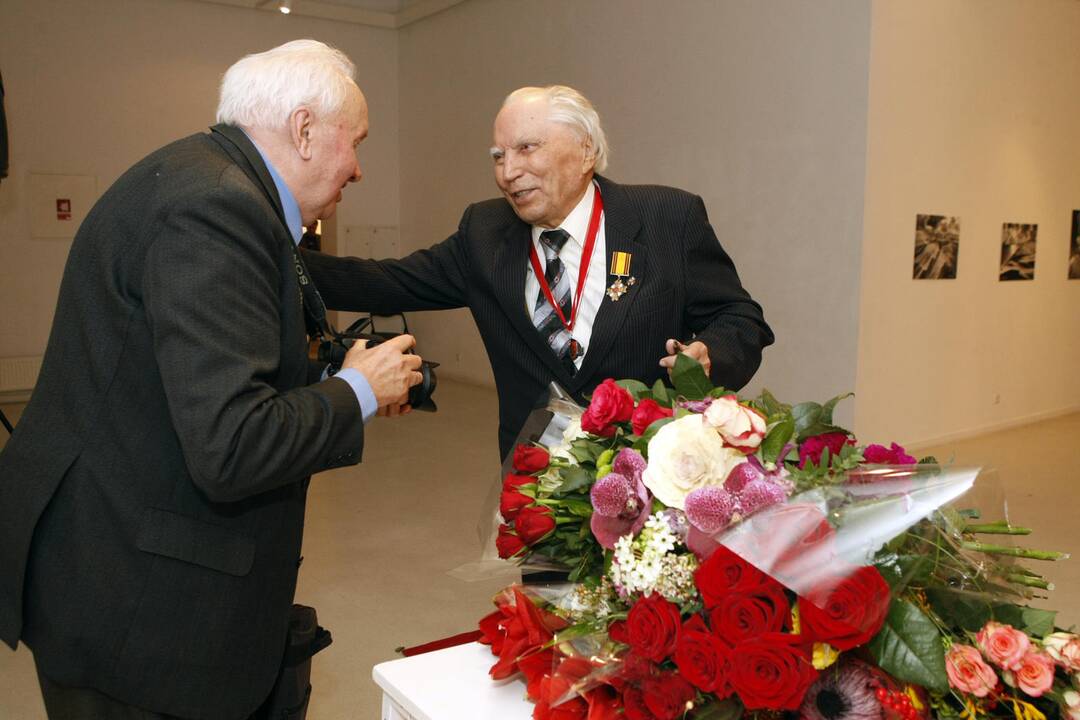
(450,684)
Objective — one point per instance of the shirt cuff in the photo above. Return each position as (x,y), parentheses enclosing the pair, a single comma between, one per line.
(364,395)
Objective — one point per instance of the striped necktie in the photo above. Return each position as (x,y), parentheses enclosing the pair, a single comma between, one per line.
(545,318)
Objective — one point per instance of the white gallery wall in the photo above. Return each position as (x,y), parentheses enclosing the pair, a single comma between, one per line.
(973,113)
(92,87)
(759,107)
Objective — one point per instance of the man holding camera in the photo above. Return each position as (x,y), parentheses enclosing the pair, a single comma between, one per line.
(570,277)
(152,496)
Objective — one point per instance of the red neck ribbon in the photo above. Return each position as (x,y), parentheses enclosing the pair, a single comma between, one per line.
(583,268)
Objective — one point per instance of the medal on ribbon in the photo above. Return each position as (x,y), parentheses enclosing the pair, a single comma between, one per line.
(620,268)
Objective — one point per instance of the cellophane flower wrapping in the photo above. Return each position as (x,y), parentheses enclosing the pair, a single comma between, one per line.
(723,556)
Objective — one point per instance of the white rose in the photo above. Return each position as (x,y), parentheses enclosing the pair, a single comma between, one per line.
(1064,648)
(741,427)
(685,455)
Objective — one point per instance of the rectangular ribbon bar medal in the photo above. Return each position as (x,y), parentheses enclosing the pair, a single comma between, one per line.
(620,268)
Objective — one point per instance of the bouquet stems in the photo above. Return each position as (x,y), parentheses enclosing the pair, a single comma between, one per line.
(1013,551)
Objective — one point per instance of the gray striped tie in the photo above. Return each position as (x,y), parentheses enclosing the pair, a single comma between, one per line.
(545,318)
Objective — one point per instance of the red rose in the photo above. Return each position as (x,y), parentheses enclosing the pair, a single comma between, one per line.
(652,626)
(772,672)
(530,459)
(703,658)
(741,616)
(881,455)
(514,482)
(725,572)
(634,707)
(507,543)
(646,413)
(846,612)
(812,447)
(610,404)
(534,523)
(666,695)
(511,502)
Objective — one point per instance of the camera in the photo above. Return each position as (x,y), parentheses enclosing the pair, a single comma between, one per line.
(332,351)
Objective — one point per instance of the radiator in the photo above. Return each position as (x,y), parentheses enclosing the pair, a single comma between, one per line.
(17,376)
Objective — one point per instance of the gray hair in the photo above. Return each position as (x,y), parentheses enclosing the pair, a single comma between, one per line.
(263,89)
(569,107)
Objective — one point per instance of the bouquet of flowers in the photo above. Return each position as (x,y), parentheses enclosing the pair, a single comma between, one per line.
(726,557)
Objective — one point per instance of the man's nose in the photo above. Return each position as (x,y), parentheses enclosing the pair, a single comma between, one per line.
(510,167)
(357,173)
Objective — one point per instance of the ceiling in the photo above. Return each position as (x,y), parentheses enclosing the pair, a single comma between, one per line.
(377,13)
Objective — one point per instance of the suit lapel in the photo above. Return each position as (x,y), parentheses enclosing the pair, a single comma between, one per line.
(511,261)
(621,229)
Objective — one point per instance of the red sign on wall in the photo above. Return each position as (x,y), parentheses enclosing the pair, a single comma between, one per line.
(63,208)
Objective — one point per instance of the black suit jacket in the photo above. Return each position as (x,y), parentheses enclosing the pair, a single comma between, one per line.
(152,495)
(686,287)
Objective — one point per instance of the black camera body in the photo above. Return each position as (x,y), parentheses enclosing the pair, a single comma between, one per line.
(332,351)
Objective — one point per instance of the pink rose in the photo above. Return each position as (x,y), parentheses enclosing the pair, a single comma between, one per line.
(1065,649)
(610,404)
(881,455)
(1035,673)
(968,672)
(741,427)
(1004,645)
(812,447)
(646,413)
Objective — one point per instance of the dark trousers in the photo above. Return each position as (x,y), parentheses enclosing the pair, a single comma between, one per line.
(63,702)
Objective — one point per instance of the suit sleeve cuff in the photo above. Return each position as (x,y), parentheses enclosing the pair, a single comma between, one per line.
(364,395)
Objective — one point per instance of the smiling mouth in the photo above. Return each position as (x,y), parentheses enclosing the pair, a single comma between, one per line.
(521,194)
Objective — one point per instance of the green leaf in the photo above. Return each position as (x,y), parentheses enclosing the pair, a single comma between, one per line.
(634,387)
(574,477)
(660,393)
(769,404)
(776,439)
(965,610)
(1031,620)
(729,709)
(689,378)
(806,415)
(827,409)
(909,648)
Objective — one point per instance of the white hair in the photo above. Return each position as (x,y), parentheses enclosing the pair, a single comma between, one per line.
(263,89)
(569,107)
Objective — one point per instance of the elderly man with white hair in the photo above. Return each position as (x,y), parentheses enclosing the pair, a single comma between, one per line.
(152,496)
(570,276)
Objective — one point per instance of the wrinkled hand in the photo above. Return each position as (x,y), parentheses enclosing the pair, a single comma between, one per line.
(389,369)
(697,350)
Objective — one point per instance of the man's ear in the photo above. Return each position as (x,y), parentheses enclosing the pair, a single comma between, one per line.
(300,122)
(588,158)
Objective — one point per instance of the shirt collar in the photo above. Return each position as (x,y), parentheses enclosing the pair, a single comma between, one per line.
(577,222)
(288,202)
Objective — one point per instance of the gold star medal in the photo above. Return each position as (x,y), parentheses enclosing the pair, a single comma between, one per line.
(620,268)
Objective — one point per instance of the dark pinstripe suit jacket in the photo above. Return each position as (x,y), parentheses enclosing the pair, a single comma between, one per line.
(152,496)
(686,287)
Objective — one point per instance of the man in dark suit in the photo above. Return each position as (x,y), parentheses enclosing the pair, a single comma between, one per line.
(152,496)
(629,291)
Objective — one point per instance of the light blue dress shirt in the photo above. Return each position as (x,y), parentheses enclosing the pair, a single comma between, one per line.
(356,380)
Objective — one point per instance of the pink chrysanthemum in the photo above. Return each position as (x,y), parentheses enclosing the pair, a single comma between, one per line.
(759,494)
(620,501)
(843,692)
(709,509)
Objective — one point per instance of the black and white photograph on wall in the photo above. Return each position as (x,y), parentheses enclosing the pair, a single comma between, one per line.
(1074,247)
(1018,251)
(937,247)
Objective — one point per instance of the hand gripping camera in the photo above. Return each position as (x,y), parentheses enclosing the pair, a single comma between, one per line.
(332,351)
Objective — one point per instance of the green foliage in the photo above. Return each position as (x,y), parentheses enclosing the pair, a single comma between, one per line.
(690,379)
(635,387)
(909,647)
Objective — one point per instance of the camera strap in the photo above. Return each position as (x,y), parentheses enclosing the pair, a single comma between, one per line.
(312,300)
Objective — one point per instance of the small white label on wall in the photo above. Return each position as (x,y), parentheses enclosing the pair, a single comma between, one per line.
(371,241)
(59,203)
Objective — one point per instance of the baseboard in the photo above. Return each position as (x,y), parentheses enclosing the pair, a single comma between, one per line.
(992,428)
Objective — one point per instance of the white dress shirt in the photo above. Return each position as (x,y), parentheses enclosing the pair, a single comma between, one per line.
(577,225)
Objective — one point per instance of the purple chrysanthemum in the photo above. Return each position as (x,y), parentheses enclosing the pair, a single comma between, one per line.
(843,692)
(709,509)
(759,494)
(611,495)
(740,476)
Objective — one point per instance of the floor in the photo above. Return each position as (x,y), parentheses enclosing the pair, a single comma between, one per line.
(381,538)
